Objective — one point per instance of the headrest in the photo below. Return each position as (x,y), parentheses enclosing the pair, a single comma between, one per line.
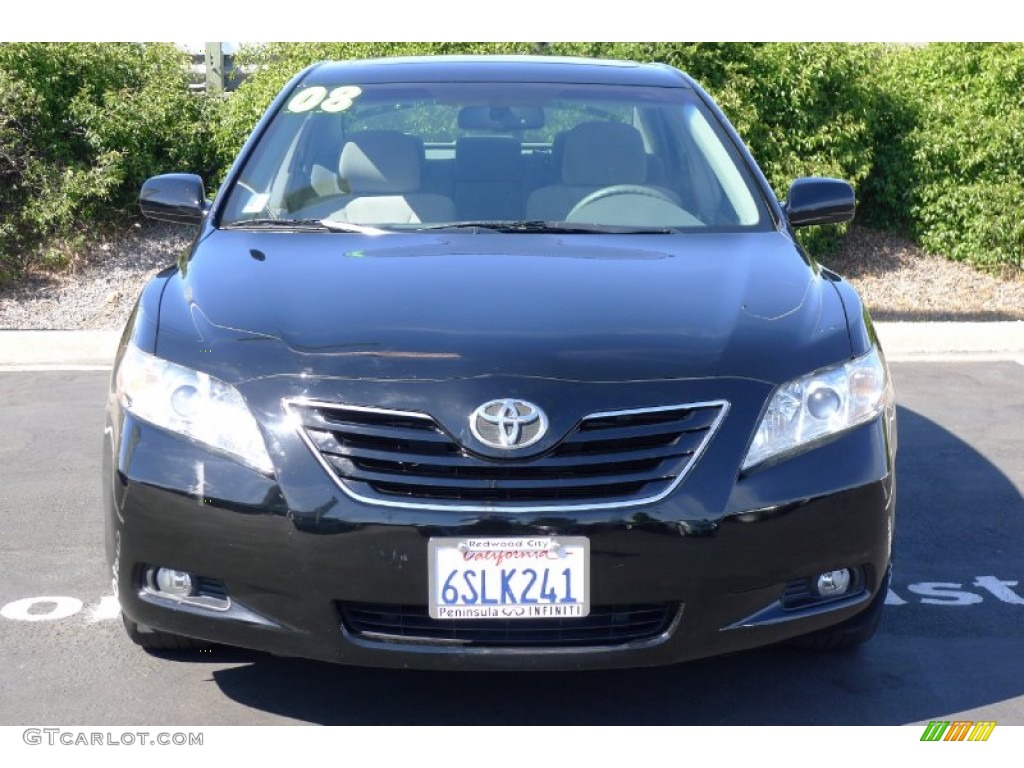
(488,158)
(600,154)
(381,163)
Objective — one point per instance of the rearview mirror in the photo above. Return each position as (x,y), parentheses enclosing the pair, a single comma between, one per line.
(175,197)
(819,201)
(501,118)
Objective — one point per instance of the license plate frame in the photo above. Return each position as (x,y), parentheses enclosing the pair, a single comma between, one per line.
(549,557)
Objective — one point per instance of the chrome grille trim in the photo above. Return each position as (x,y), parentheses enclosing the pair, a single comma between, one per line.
(294,406)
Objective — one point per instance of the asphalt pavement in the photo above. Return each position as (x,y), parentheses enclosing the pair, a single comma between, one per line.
(950,645)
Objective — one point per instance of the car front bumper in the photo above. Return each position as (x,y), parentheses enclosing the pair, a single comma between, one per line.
(292,552)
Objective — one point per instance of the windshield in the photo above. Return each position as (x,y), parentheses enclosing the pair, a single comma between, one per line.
(465,155)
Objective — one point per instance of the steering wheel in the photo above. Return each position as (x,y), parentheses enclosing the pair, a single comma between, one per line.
(247,187)
(619,190)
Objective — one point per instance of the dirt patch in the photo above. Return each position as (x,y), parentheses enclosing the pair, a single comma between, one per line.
(899,281)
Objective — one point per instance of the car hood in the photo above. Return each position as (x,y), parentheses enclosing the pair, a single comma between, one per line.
(440,306)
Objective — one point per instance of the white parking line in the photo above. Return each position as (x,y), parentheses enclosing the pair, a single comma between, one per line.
(893,599)
(107,608)
(44,367)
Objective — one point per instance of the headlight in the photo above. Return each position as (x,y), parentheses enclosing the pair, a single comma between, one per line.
(191,403)
(821,404)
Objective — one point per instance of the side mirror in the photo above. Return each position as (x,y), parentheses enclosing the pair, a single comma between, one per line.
(176,197)
(819,201)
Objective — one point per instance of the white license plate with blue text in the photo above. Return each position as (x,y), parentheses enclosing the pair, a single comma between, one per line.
(521,577)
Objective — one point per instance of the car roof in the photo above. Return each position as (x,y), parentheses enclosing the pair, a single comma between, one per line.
(507,69)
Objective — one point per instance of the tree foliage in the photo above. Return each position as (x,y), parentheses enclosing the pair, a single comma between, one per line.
(81,126)
(931,136)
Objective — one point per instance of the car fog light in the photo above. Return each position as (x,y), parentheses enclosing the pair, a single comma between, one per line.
(177,583)
(833,583)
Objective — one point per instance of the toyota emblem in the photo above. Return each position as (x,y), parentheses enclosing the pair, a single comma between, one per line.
(508,424)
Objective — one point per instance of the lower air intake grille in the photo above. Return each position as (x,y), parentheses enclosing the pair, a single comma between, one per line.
(605,626)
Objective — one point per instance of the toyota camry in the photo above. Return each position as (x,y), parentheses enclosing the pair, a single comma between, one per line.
(498,363)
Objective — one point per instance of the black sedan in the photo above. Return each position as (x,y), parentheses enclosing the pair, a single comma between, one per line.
(498,363)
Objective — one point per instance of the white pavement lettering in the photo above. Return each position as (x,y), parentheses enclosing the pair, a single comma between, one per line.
(944,593)
(1000,589)
(22,610)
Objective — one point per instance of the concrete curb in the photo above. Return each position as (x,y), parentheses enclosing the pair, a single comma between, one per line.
(936,341)
(94,350)
(57,350)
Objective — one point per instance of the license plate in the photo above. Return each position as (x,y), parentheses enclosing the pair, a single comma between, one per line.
(527,577)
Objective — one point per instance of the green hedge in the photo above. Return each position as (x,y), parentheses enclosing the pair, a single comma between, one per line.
(931,136)
(953,173)
(81,126)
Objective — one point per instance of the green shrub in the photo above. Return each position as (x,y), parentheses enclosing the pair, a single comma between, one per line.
(81,126)
(932,136)
(954,171)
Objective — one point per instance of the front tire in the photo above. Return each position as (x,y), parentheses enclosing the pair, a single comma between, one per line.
(155,640)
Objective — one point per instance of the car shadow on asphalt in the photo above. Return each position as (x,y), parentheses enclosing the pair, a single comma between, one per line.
(958,518)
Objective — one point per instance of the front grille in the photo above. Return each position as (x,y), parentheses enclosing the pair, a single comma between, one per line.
(605,626)
(408,459)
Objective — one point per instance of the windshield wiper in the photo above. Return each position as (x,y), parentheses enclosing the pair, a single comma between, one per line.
(483,225)
(561,227)
(359,229)
(267,223)
(307,225)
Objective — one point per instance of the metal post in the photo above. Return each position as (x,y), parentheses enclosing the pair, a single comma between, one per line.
(214,68)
